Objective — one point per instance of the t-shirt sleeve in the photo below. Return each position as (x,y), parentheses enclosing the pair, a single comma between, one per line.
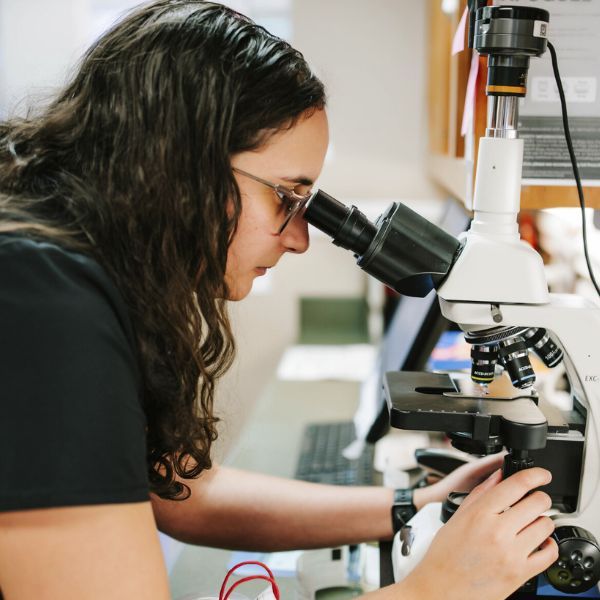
(72,428)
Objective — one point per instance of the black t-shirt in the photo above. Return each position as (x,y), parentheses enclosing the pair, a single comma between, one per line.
(72,428)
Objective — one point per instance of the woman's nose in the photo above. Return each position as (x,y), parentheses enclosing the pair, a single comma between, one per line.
(295,235)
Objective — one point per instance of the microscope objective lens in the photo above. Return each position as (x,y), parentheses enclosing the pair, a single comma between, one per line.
(544,346)
(513,354)
(483,363)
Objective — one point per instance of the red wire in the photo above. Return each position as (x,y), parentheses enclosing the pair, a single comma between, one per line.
(249,562)
(253,578)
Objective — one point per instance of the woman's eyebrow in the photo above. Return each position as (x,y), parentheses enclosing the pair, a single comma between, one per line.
(300,179)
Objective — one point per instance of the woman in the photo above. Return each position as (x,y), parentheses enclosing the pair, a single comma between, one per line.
(130,211)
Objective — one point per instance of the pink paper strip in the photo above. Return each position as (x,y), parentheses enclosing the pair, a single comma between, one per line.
(458,43)
(469,109)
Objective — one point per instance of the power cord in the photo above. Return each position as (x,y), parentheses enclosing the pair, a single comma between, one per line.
(225,594)
(565,120)
(251,578)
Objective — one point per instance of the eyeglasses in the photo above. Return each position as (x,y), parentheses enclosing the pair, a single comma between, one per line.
(292,202)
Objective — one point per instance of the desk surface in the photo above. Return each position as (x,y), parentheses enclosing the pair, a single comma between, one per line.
(269,444)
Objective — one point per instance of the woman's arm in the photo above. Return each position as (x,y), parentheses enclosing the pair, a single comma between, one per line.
(240,510)
(235,509)
(93,552)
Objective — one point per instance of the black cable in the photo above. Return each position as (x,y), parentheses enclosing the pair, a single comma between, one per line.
(565,120)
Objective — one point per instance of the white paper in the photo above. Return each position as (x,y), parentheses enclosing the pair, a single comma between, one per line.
(314,362)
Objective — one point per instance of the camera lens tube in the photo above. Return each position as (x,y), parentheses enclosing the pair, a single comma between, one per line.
(544,346)
(514,356)
(510,36)
(483,363)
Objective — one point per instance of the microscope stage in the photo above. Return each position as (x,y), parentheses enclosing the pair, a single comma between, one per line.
(432,402)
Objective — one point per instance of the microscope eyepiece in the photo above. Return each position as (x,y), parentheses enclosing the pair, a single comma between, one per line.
(401,248)
(348,227)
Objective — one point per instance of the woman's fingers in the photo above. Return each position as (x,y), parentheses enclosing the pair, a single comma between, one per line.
(512,489)
(487,465)
(469,475)
(524,512)
(491,482)
(540,559)
(535,534)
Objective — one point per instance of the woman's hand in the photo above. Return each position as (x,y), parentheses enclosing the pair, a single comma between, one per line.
(463,479)
(494,543)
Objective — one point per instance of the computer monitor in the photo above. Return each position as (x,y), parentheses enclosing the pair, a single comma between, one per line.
(413,331)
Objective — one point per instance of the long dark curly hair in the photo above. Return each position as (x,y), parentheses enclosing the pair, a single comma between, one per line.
(130,164)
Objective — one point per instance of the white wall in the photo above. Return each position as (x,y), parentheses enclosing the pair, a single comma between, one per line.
(372,57)
(40,41)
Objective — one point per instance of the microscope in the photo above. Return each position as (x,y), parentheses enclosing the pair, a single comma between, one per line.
(492,285)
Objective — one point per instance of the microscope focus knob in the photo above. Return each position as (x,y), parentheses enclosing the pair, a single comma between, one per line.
(578,566)
(516,461)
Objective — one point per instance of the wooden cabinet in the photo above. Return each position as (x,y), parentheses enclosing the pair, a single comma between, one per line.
(452,159)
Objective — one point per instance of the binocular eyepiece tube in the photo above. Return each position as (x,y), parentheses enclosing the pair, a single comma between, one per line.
(401,248)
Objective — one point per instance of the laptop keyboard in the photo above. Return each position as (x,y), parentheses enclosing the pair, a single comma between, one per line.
(321,459)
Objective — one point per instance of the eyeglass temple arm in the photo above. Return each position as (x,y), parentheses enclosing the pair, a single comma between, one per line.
(259,179)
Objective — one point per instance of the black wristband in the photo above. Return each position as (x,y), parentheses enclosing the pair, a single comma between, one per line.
(403,508)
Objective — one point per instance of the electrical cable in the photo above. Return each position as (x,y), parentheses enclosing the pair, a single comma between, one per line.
(270,578)
(242,564)
(565,120)
(253,578)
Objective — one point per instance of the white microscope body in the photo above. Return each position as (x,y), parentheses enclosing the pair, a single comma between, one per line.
(497,293)
(498,281)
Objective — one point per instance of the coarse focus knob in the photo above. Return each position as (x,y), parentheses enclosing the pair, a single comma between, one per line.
(516,461)
(578,566)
